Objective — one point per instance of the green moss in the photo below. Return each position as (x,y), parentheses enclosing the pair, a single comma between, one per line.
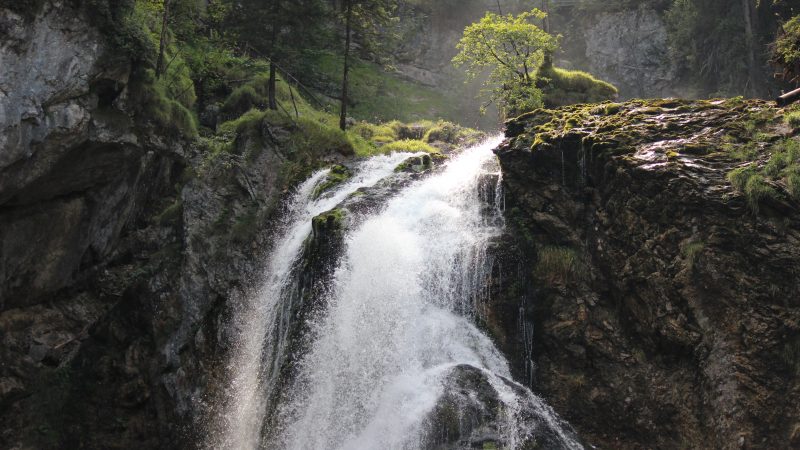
(338,175)
(247,121)
(334,219)
(160,105)
(376,134)
(242,100)
(449,133)
(563,87)
(416,164)
(409,145)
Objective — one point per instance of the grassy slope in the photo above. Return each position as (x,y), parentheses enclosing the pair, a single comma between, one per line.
(379,95)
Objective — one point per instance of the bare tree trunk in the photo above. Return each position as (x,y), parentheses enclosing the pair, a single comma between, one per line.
(347,33)
(752,70)
(273,72)
(162,44)
(546,9)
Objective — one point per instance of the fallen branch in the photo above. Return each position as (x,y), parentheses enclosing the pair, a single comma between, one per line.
(788,98)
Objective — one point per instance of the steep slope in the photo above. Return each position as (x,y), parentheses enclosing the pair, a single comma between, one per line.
(642,294)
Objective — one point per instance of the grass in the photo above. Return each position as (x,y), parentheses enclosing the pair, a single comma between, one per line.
(792,118)
(556,264)
(379,95)
(749,181)
(691,251)
(758,180)
(409,145)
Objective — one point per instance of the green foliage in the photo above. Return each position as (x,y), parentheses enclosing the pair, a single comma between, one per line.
(753,185)
(511,48)
(556,264)
(566,87)
(378,94)
(783,165)
(377,134)
(786,50)
(156,104)
(792,118)
(241,100)
(408,145)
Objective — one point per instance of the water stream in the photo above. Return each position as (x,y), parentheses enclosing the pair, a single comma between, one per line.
(398,325)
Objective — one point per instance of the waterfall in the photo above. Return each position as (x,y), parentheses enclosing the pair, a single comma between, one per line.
(394,359)
(262,324)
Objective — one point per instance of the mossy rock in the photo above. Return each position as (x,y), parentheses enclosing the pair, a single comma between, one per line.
(338,175)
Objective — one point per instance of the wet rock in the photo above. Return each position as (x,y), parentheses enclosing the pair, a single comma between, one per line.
(672,329)
(471,414)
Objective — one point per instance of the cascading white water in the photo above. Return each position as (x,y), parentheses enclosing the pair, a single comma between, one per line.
(400,318)
(261,324)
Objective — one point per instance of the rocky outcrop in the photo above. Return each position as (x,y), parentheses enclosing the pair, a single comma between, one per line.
(123,247)
(641,296)
(69,153)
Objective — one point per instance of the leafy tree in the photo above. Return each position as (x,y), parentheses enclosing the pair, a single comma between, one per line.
(786,51)
(512,49)
(366,18)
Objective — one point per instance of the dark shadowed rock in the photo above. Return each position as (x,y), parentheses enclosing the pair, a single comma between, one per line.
(642,296)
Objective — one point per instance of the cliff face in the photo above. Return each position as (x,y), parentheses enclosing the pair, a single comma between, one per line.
(641,295)
(123,248)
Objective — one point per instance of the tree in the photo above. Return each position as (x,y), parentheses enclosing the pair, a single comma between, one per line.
(786,51)
(512,49)
(367,18)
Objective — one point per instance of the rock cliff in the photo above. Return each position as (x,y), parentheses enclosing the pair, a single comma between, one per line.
(123,246)
(640,294)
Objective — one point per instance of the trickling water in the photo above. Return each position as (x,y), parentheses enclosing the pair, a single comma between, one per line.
(262,324)
(396,326)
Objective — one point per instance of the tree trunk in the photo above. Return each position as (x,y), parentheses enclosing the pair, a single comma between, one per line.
(546,9)
(271,86)
(273,72)
(752,70)
(162,44)
(346,74)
